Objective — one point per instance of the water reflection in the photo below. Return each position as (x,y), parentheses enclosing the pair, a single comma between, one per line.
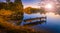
(52,24)
(51,14)
(34,21)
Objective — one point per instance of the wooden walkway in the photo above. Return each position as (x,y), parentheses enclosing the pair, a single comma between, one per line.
(31,22)
(37,18)
(34,23)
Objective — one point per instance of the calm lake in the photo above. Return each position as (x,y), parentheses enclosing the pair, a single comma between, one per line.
(52,23)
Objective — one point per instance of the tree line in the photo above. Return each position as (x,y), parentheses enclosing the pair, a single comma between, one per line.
(12,11)
(30,10)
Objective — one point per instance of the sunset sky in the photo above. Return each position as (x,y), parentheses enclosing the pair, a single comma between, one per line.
(34,3)
(26,3)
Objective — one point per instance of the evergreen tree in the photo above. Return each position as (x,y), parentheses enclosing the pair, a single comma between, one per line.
(16,8)
(7,1)
(17,1)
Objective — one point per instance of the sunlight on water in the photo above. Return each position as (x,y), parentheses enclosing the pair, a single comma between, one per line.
(53,18)
(51,14)
(53,22)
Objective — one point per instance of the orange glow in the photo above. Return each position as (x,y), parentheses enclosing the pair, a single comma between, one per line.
(5,12)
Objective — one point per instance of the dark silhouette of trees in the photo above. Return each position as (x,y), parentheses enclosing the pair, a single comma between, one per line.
(7,1)
(15,7)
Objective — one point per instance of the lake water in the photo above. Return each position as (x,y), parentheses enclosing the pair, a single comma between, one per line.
(52,23)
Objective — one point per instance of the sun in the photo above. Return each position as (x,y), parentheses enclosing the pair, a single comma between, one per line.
(48,6)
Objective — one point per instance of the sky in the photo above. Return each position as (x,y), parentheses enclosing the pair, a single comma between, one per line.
(32,3)
(27,3)
(35,3)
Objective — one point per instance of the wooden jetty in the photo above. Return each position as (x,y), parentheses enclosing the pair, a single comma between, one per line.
(37,18)
(34,23)
(31,22)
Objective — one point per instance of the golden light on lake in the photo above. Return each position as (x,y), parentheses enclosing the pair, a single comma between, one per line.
(53,15)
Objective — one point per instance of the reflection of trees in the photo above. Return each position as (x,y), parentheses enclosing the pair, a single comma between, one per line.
(42,11)
(30,10)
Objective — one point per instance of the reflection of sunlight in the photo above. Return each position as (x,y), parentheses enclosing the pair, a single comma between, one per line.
(57,15)
(51,14)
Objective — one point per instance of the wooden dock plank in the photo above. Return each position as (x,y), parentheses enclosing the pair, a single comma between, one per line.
(34,23)
(34,19)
